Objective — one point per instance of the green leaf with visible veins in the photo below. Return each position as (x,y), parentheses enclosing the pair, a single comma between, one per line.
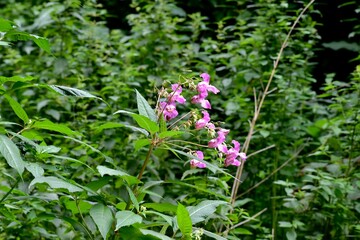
(12,154)
(144,107)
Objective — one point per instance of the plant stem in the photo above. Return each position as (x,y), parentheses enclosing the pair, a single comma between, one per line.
(8,193)
(258,106)
(151,148)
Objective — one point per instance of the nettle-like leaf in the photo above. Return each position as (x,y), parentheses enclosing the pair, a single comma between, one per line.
(203,210)
(144,107)
(12,154)
(126,218)
(5,25)
(184,221)
(55,182)
(102,217)
(15,35)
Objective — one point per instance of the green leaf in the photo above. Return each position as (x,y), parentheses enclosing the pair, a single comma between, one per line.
(144,107)
(126,218)
(212,235)
(161,207)
(49,125)
(55,182)
(155,234)
(141,143)
(204,210)
(183,220)
(133,198)
(35,169)
(131,180)
(108,125)
(102,217)
(146,123)
(167,218)
(15,79)
(170,134)
(97,184)
(19,111)
(12,154)
(69,91)
(5,25)
(291,234)
(16,35)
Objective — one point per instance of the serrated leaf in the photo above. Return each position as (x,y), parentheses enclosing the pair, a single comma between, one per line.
(12,154)
(15,79)
(69,91)
(141,143)
(18,110)
(126,218)
(15,35)
(144,107)
(49,125)
(170,134)
(204,210)
(183,220)
(102,217)
(55,182)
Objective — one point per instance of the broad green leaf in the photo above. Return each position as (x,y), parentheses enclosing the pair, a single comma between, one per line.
(155,234)
(184,221)
(102,217)
(19,111)
(69,91)
(12,154)
(143,131)
(170,134)
(133,198)
(35,169)
(15,79)
(144,107)
(146,123)
(55,182)
(97,184)
(49,125)
(126,218)
(291,234)
(204,210)
(167,218)
(78,206)
(5,25)
(141,143)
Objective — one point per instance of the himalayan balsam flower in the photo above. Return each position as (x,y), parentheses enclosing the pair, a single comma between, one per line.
(219,140)
(204,121)
(176,94)
(196,163)
(203,88)
(232,154)
(169,110)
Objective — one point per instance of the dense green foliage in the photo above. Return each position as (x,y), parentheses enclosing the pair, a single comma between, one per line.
(87,155)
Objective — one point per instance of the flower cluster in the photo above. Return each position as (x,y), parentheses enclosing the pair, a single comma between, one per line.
(233,156)
(168,108)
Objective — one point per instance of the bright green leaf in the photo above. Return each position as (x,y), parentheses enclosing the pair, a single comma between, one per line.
(183,220)
(133,198)
(15,79)
(141,143)
(204,210)
(146,123)
(49,125)
(170,134)
(55,182)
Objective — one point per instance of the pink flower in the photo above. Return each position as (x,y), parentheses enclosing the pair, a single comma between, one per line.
(218,142)
(196,163)
(203,88)
(232,154)
(169,110)
(204,121)
(175,95)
